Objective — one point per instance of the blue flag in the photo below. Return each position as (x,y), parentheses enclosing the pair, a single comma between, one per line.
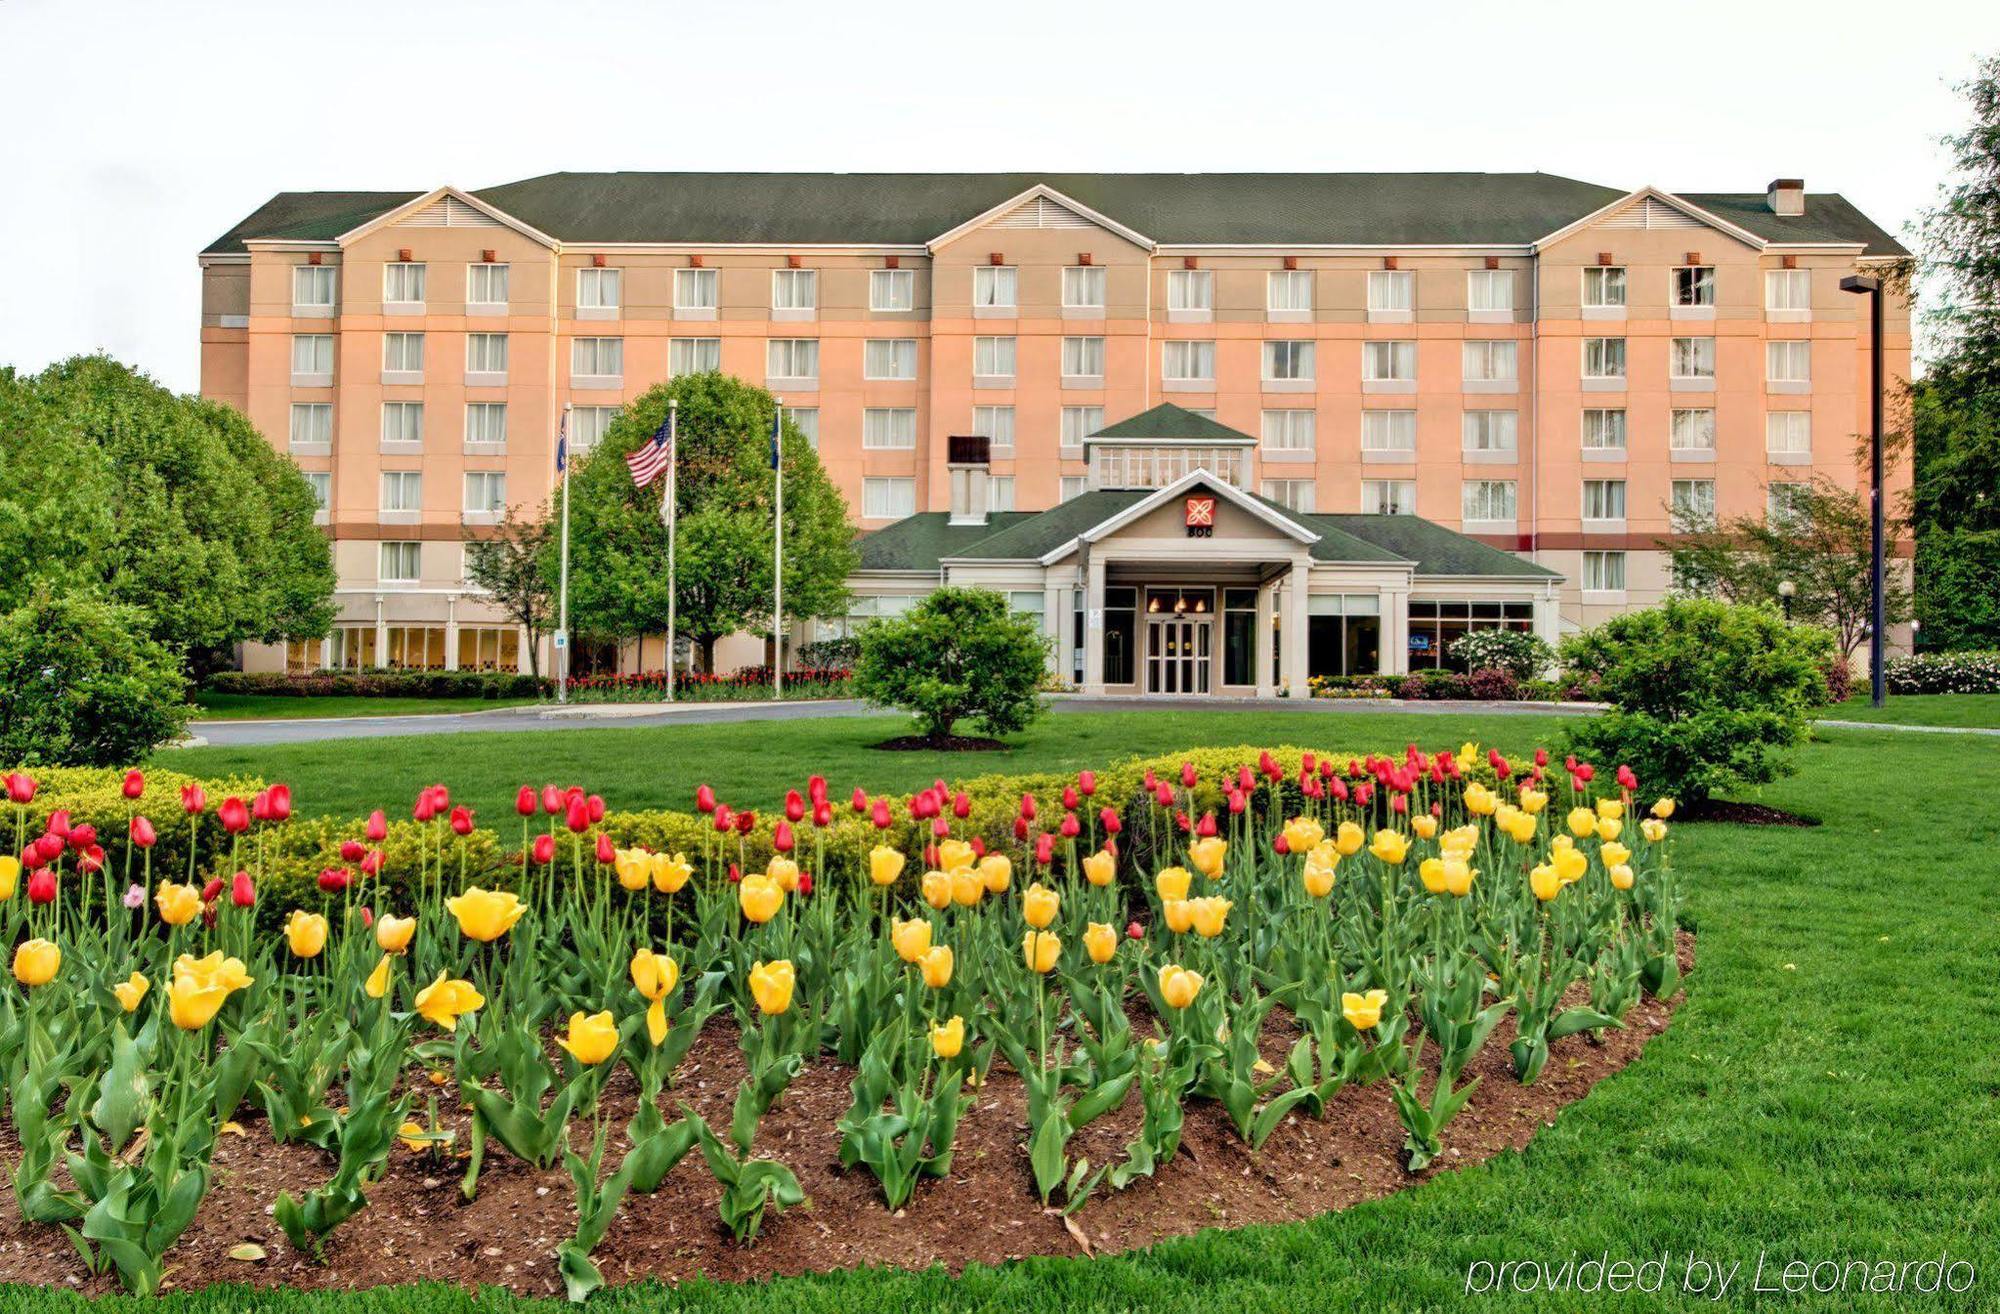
(562,444)
(777,427)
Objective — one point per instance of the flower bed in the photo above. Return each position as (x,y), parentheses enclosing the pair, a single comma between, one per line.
(1487,685)
(1943,673)
(381,684)
(1232,951)
(746,685)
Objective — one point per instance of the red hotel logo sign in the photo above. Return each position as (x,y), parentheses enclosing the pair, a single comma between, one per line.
(1200,517)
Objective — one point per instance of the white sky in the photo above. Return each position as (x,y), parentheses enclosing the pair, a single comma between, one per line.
(135,133)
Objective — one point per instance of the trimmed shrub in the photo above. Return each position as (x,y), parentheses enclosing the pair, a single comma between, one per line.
(96,795)
(959,654)
(1943,672)
(381,684)
(1523,655)
(82,683)
(1490,684)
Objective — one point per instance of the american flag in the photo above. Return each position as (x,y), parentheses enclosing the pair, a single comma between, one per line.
(649,461)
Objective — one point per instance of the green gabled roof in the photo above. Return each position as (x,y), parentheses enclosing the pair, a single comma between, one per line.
(309,217)
(921,541)
(1035,537)
(1170,423)
(1435,549)
(1829,217)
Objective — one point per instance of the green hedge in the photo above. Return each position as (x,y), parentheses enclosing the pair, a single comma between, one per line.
(96,795)
(381,684)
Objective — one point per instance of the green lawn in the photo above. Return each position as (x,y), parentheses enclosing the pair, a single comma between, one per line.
(259,707)
(1828,1091)
(1980,710)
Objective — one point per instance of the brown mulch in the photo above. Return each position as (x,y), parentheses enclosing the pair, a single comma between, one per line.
(939,744)
(416,1228)
(1745,814)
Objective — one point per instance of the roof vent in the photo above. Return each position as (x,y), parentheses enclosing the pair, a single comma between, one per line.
(967,458)
(1786,196)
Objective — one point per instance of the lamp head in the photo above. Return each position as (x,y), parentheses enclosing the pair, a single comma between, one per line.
(1861,283)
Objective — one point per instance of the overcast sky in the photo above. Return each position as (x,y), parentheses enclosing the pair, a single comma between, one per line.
(135,133)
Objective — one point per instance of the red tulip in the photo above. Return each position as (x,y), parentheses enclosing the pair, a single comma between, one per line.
(795,806)
(1280,846)
(42,886)
(260,805)
(735,874)
(1585,771)
(978,847)
(424,808)
(371,862)
(940,827)
(1107,817)
(577,817)
(1437,810)
(880,814)
(143,834)
(1070,827)
(1027,807)
(859,802)
(212,890)
(1399,803)
(335,879)
(20,788)
(930,855)
(1134,931)
(1182,823)
(1045,848)
(607,853)
(1069,799)
(1163,795)
(1627,779)
(1541,757)
(461,820)
(82,837)
(1268,765)
(41,851)
(235,815)
(1363,792)
(805,882)
(135,784)
(367,917)
(724,818)
(781,837)
(822,813)
(58,824)
(1236,802)
(961,805)
(704,799)
(545,849)
(281,802)
(194,801)
(552,800)
(1021,830)
(1244,780)
(350,850)
(1087,782)
(1150,780)
(1205,828)
(816,789)
(241,892)
(377,828)
(524,801)
(745,822)
(594,804)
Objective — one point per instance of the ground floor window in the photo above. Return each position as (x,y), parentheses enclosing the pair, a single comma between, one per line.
(304,656)
(415,647)
(1435,625)
(1120,635)
(482,648)
(1343,634)
(1239,636)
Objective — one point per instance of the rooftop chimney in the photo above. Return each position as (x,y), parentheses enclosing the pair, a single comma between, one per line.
(1786,196)
(967,457)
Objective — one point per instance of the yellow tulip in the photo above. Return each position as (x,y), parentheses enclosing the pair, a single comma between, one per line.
(1621,876)
(305,933)
(446,999)
(178,904)
(1609,828)
(377,984)
(1172,883)
(1458,874)
(1533,800)
(1610,809)
(1321,860)
(968,887)
(131,991)
(656,1022)
(393,934)
(1178,985)
(1431,871)
(955,855)
(1040,949)
(414,1136)
(1521,827)
(1582,822)
(1391,846)
(1424,824)
(1101,941)
(671,872)
(1464,839)
(1653,829)
(1544,881)
(634,868)
(654,975)
(1663,808)
(1614,853)
(192,1003)
(1349,838)
(760,897)
(1180,915)
(1363,1012)
(911,939)
(948,1038)
(1100,868)
(885,864)
(1039,905)
(997,871)
(771,985)
(936,887)
(592,1039)
(485,915)
(10,876)
(936,965)
(1209,914)
(1468,755)
(785,872)
(1208,853)
(1479,800)
(1301,833)
(1570,864)
(213,968)
(36,962)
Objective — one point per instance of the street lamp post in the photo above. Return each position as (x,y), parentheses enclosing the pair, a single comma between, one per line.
(1872,287)
(1785,591)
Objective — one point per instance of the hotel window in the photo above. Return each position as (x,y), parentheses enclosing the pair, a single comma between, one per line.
(892,289)
(889,428)
(1288,362)
(888,499)
(1083,358)
(603,289)
(602,358)
(1239,636)
(414,647)
(1187,362)
(1083,287)
(312,285)
(1693,358)
(1694,502)
(403,352)
(402,490)
(1079,422)
(402,422)
(486,285)
(486,422)
(1604,431)
(1491,362)
(1190,289)
(1489,289)
(1388,497)
(1491,431)
(1603,285)
(1603,499)
(693,356)
(1604,572)
(1694,285)
(1072,486)
(587,426)
(993,286)
(1436,627)
(1788,433)
(1788,362)
(1288,289)
(1383,361)
(806,420)
(995,424)
(1785,503)
(312,424)
(1488,499)
(993,358)
(1291,494)
(1788,289)
(321,483)
(1693,430)
(1392,289)
(694,289)
(403,283)
(889,358)
(312,353)
(794,289)
(1389,431)
(1604,358)
(486,353)
(792,358)
(489,648)
(1289,431)
(1000,497)
(402,563)
(485,492)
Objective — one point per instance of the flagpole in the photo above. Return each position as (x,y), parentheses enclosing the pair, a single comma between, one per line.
(778,574)
(562,606)
(669,508)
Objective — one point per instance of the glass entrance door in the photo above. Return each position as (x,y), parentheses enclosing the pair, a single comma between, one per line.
(1177,655)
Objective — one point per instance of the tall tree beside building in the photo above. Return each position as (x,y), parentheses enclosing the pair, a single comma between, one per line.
(514,566)
(725,494)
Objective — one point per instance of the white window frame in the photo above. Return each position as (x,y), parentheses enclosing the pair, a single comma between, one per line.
(1288,360)
(1078,423)
(402,410)
(1691,358)
(490,271)
(594,282)
(598,354)
(1776,493)
(996,287)
(798,357)
(995,424)
(1788,433)
(1000,495)
(393,550)
(788,285)
(1389,287)
(316,345)
(1691,429)
(994,356)
(1477,501)
(476,341)
(1399,354)
(1071,487)
(1292,280)
(588,425)
(490,479)
(321,483)
(1298,495)
(902,359)
(1480,288)
(1782,354)
(1196,357)
(1372,499)
(889,429)
(1191,291)
(1083,358)
(806,420)
(404,273)
(1611,420)
(882,495)
(1385,430)
(402,339)
(1703,506)
(320,427)
(880,279)
(1694,281)
(326,274)
(1612,290)
(1604,571)
(693,349)
(1795,298)
(1490,360)
(479,423)
(1611,360)
(1290,429)
(1090,279)
(402,491)
(697,280)
(1487,425)
(1604,501)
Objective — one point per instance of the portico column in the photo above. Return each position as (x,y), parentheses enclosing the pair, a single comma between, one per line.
(1295,627)
(1395,632)
(1265,686)
(381,633)
(1547,626)
(1055,618)
(1093,626)
(451,632)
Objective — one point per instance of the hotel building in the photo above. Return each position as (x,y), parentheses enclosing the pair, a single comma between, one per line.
(1220,432)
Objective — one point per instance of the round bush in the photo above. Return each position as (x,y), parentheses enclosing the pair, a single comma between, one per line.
(82,683)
